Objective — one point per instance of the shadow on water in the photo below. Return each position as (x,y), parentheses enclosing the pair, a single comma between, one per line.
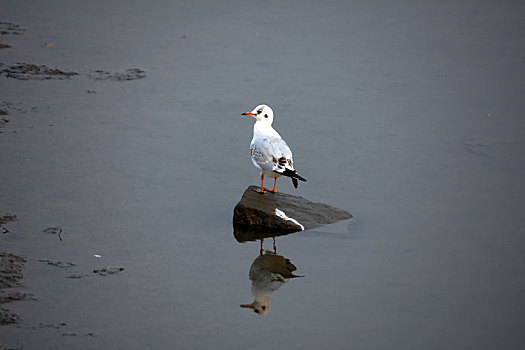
(268,272)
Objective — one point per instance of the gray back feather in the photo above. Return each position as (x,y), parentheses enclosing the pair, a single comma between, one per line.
(267,153)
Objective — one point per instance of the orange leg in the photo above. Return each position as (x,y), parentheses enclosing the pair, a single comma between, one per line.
(262,185)
(274,184)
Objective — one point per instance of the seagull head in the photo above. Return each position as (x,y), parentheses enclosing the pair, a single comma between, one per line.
(262,113)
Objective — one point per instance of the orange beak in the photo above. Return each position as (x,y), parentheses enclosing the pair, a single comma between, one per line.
(249,114)
(247,306)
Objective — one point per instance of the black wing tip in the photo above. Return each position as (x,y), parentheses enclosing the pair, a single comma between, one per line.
(299,177)
(293,174)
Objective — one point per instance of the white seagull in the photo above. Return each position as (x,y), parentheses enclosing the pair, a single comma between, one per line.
(270,153)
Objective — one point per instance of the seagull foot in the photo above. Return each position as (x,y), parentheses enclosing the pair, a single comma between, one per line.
(261,191)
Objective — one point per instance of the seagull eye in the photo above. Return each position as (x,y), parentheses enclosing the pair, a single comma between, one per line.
(259,111)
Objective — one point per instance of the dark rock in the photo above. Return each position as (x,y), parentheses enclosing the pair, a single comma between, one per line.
(280,213)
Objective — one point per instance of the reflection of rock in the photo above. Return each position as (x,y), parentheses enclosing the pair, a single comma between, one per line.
(244,233)
(280,212)
(268,273)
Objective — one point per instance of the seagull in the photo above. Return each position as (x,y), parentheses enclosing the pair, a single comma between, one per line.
(270,153)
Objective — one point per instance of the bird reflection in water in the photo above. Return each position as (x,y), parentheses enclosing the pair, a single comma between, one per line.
(268,273)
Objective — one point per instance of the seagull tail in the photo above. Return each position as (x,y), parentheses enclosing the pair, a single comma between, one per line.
(293,174)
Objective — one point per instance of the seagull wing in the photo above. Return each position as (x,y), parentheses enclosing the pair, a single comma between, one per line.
(271,154)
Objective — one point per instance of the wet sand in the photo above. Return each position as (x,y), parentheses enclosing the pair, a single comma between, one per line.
(124,154)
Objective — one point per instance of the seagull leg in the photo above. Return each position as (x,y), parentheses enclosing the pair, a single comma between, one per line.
(274,183)
(262,185)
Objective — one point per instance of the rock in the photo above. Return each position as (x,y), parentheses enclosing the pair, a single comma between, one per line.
(280,213)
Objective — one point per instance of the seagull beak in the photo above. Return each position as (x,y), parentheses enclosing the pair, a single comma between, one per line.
(247,306)
(249,114)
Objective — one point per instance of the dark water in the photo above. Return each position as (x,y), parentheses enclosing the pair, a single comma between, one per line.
(408,115)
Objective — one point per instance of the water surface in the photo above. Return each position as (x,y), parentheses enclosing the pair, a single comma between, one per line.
(407,115)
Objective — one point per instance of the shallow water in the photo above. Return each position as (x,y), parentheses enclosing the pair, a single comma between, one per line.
(409,116)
